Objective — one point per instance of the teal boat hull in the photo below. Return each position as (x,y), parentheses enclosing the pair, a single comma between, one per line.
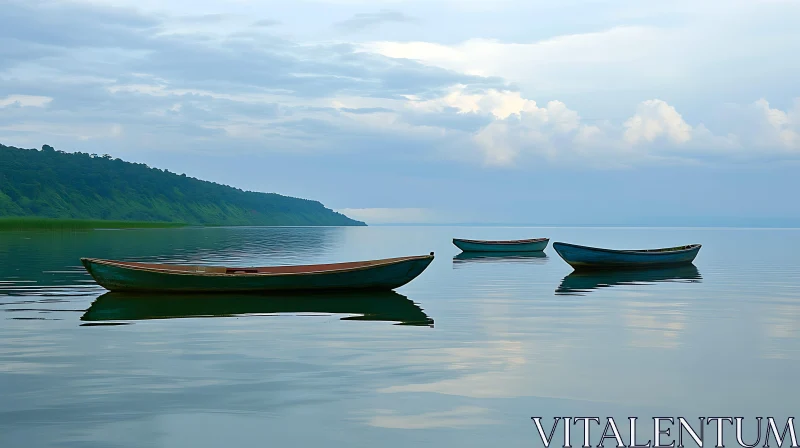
(374,275)
(583,257)
(385,306)
(534,245)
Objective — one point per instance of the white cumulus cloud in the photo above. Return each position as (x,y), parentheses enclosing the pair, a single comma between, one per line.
(500,104)
(520,130)
(778,127)
(654,119)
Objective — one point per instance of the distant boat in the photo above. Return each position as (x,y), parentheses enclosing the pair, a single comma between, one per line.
(386,274)
(387,306)
(501,257)
(534,245)
(580,282)
(583,257)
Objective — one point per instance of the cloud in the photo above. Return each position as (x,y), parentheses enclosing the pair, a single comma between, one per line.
(779,128)
(97,74)
(111,43)
(212,19)
(363,21)
(516,124)
(500,104)
(654,119)
(616,57)
(365,110)
(25,101)
(102,67)
(623,52)
(521,133)
(265,23)
(74,25)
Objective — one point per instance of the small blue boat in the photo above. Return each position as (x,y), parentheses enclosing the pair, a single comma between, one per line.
(534,245)
(583,257)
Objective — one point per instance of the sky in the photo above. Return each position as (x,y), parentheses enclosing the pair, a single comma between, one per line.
(521,112)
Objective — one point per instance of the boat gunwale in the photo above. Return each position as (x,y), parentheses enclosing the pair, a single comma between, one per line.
(661,251)
(377,263)
(501,242)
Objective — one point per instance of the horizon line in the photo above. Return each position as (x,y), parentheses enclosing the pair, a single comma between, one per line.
(565,226)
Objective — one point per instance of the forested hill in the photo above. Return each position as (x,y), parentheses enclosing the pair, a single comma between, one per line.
(54,184)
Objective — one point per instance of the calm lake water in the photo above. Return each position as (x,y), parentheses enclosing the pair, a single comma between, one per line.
(462,356)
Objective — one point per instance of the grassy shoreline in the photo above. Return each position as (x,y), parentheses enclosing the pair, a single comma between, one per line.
(35,223)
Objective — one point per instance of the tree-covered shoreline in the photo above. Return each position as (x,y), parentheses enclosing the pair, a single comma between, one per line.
(54,184)
(35,223)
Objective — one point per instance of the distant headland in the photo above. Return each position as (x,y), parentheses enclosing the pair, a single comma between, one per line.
(54,189)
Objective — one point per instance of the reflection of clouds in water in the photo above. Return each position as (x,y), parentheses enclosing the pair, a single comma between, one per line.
(531,349)
(495,369)
(783,324)
(494,354)
(27,368)
(654,324)
(539,348)
(548,317)
(491,368)
(460,417)
(31,354)
(477,385)
(782,332)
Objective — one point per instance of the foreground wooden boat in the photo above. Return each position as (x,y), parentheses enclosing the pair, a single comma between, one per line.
(386,274)
(385,306)
(534,245)
(583,257)
(584,281)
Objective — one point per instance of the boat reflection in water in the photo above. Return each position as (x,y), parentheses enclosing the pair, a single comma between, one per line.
(579,282)
(387,306)
(496,257)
